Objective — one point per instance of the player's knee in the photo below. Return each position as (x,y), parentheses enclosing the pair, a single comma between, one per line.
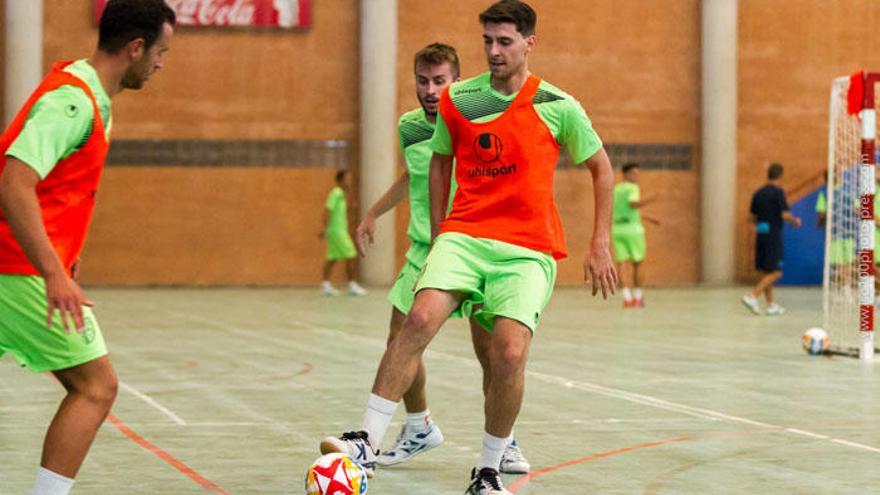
(417,324)
(101,392)
(508,359)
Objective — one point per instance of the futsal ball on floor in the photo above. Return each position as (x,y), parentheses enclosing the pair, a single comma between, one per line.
(815,341)
(336,474)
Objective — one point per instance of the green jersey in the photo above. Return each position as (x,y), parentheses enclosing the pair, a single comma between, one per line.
(625,215)
(564,116)
(61,122)
(415,133)
(338,210)
(821,203)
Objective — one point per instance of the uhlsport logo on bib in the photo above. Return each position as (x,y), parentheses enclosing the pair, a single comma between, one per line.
(487,148)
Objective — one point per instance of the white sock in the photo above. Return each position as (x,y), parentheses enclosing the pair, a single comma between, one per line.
(637,294)
(326,283)
(418,421)
(493,451)
(627,295)
(50,483)
(377,419)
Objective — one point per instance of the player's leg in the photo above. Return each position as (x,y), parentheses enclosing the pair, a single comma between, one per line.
(638,250)
(623,256)
(397,370)
(518,286)
(766,283)
(326,286)
(79,361)
(513,461)
(419,434)
(354,288)
(91,389)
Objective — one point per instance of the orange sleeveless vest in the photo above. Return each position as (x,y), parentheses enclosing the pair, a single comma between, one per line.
(67,194)
(504,169)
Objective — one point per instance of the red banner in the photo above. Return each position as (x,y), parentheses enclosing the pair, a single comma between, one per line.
(285,14)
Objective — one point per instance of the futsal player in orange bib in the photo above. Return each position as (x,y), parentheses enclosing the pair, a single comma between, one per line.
(494,259)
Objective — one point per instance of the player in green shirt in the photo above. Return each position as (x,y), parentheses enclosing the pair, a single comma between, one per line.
(339,243)
(435,66)
(628,233)
(46,321)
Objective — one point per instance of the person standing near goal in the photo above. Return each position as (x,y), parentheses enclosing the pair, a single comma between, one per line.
(494,257)
(769,209)
(53,156)
(436,66)
(628,233)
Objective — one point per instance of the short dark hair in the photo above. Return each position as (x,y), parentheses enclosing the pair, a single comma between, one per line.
(629,166)
(775,171)
(436,54)
(125,20)
(513,12)
(340,174)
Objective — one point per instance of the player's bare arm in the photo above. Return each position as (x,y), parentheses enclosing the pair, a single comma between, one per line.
(439,177)
(791,219)
(18,199)
(599,269)
(392,197)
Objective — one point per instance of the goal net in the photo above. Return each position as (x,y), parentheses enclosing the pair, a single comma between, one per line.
(848,282)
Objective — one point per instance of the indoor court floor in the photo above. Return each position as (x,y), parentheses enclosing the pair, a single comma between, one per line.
(230,390)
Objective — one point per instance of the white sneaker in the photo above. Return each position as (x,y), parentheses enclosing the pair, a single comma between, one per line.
(355,289)
(752,303)
(775,310)
(513,461)
(327,289)
(486,481)
(357,445)
(409,444)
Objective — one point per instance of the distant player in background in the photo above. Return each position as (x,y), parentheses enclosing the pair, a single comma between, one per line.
(628,233)
(769,208)
(339,243)
(435,67)
(52,157)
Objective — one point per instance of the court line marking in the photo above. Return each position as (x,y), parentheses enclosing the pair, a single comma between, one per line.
(149,400)
(612,392)
(522,481)
(165,456)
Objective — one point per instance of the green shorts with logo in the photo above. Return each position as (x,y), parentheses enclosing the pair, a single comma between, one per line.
(402,292)
(23,331)
(497,278)
(629,244)
(339,245)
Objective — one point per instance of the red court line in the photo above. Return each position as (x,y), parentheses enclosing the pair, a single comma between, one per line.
(165,456)
(523,480)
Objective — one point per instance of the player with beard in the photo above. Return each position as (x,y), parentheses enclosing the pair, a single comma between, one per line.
(435,66)
(493,257)
(53,155)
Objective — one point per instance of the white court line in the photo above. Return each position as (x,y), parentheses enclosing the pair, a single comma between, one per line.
(612,392)
(149,400)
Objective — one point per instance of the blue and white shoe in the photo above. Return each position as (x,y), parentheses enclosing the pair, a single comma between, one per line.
(513,461)
(357,445)
(410,443)
(486,481)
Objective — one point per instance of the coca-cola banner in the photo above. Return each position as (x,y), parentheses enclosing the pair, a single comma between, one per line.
(285,14)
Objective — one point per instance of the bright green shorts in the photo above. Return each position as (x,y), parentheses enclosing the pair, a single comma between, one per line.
(498,279)
(339,245)
(629,244)
(842,251)
(402,292)
(23,331)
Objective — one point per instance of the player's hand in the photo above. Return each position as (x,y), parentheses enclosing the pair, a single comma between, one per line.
(599,271)
(797,222)
(364,234)
(65,295)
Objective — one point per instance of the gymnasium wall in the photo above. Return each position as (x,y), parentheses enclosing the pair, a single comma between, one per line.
(786,64)
(221,225)
(638,81)
(257,225)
